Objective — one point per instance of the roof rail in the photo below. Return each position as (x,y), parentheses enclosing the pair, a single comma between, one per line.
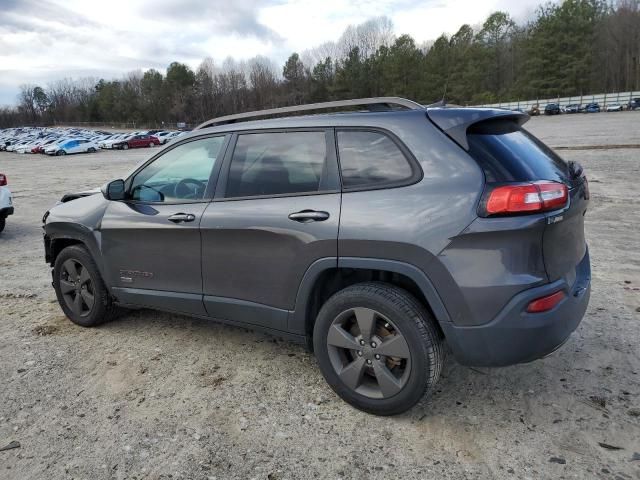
(377,104)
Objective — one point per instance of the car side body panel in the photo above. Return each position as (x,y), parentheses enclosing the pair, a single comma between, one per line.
(252,251)
(165,256)
(245,262)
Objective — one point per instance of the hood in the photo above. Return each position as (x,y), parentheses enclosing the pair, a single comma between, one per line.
(67,197)
(85,210)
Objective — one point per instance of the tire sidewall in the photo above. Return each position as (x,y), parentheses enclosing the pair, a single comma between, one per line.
(420,365)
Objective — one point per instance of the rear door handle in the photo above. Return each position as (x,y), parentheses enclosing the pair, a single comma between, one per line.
(182,217)
(306,216)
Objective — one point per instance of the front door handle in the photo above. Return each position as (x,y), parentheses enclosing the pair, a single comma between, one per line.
(306,216)
(182,217)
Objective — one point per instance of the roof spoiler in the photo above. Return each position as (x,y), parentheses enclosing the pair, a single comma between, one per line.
(455,121)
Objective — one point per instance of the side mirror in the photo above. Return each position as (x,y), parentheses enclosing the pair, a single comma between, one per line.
(114,190)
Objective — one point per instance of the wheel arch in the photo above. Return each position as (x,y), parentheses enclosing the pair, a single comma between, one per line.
(59,235)
(329,275)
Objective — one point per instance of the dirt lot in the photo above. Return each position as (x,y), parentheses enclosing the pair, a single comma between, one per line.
(154,395)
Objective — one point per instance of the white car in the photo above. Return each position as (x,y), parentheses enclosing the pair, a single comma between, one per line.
(172,136)
(16,146)
(114,139)
(6,202)
(614,107)
(76,145)
(162,136)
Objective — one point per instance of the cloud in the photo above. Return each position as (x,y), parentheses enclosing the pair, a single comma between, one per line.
(19,14)
(45,40)
(237,17)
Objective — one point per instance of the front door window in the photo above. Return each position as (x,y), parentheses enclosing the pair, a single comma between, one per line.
(181,174)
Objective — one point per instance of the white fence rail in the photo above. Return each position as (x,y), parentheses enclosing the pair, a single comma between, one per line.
(603,99)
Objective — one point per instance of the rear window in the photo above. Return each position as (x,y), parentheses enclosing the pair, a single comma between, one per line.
(371,159)
(508,153)
(277,164)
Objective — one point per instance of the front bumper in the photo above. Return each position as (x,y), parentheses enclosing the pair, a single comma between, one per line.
(516,336)
(5,212)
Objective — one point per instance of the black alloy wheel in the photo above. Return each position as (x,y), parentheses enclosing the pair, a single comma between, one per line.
(77,287)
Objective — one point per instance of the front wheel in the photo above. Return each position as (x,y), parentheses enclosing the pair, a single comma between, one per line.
(3,222)
(125,146)
(60,152)
(378,347)
(81,293)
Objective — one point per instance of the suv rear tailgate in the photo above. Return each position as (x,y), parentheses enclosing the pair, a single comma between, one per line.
(508,153)
(564,244)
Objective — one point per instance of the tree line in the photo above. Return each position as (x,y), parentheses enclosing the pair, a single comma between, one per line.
(570,48)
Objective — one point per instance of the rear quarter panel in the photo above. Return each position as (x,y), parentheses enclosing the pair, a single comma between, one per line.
(414,223)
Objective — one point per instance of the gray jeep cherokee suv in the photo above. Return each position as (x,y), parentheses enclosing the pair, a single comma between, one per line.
(375,236)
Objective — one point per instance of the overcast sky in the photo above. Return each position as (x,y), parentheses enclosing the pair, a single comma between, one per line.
(45,40)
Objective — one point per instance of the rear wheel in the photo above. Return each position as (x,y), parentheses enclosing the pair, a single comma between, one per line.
(91,150)
(125,146)
(378,347)
(61,152)
(81,293)
(3,222)
(152,144)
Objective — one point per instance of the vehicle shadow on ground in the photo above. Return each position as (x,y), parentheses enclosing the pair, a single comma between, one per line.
(469,391)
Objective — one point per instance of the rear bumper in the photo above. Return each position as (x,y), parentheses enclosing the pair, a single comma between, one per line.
(516,336)
(5,212)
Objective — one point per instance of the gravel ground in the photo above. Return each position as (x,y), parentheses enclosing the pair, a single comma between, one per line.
(156,395)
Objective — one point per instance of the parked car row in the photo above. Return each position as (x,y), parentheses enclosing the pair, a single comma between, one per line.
(63,141)
(593,107)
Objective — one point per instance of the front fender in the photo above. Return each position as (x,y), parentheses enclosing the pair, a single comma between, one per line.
(76,221)
(58,234)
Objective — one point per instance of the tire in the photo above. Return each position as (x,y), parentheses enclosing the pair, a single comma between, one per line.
(77,259)
(152,145)
(125,146)
(418,353)
(91,150)
(3,222)
(60,152)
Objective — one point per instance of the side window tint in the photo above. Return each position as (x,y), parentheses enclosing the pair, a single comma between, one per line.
(277,163)
(182,173)
(370,159)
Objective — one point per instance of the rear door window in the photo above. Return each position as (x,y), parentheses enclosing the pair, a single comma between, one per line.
(508,153)
(278,163)
(371,159)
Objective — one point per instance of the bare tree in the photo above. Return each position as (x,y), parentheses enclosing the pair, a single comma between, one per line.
(263,82)
(27,101)
(367,37)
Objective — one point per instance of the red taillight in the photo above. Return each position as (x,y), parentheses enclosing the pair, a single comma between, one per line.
(526,197)
(3,179)
(544,304)
(553,194)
